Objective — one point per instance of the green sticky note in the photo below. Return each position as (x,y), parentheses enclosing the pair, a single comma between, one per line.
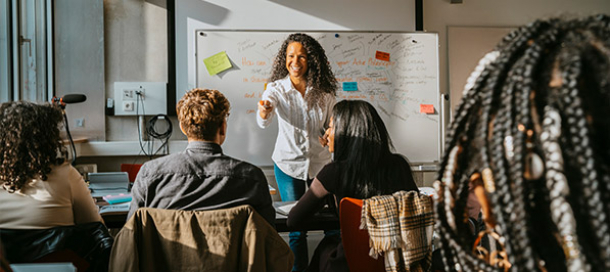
(217,63)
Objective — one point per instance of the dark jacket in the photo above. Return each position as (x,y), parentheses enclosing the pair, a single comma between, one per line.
(201,178)
(90,241)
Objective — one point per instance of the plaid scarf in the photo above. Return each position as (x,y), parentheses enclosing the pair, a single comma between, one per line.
(400,225)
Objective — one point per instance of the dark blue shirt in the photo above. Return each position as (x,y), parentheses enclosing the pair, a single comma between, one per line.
(201,178)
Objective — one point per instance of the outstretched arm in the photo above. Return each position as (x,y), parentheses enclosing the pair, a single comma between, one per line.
(308,205)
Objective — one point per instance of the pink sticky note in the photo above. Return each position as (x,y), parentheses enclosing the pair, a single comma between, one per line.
(382,56)
(426,108)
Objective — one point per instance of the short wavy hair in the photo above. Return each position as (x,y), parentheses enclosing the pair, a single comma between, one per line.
(29,142)
(201,112)
(319,74)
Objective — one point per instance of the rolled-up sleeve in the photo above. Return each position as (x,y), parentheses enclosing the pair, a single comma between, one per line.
(271,95)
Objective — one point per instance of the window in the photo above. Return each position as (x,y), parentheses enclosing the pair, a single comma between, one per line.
(26,50)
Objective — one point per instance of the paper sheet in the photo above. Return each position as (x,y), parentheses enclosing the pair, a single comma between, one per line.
(285,209)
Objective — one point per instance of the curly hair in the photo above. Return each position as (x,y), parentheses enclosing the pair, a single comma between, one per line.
(201,112)
(533,123)
(319,75)
(29,142)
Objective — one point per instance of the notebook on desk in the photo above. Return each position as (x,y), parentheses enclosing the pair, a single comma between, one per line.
(108,183)
(122,208)
(284,208)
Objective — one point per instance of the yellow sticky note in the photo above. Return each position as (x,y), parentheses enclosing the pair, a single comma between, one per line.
(217,63)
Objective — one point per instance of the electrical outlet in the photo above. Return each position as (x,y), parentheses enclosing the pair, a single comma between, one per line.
(140,98)
(127,94)
(80,122)
(127,106)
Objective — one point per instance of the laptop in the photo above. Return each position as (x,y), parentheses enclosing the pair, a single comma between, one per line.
(108,183)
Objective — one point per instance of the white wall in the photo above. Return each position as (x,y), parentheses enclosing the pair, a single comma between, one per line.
(136,51)
(79,63)
(440,14)
(309,15)
(135,40)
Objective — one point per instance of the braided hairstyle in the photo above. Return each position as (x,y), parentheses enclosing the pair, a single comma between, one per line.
(29,142)
(533,122)
(319,74)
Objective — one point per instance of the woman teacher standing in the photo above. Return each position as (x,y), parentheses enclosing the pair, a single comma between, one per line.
(302,95)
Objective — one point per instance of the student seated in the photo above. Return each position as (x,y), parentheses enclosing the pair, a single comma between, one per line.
(363,166)
(46,209)
(202,177)
(40,189)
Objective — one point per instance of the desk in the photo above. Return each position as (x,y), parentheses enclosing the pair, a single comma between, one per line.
(321,221)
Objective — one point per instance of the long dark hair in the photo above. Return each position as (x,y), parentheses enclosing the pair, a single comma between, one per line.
(319,75)
(29,142)
(542,93)
(362,146)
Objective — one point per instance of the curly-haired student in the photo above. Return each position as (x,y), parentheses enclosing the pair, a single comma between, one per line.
(202,177)
(40,189)
(302,95)
(531,135)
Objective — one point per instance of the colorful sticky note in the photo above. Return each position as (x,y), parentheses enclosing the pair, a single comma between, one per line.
(426,108)
(382,56)
(217,63)
(350,86)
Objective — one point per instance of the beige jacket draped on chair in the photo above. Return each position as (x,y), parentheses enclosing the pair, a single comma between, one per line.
(234,239)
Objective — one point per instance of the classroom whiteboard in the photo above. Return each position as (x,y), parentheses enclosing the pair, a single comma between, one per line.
(399,88)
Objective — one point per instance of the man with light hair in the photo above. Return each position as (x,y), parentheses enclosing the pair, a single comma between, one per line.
(202,177)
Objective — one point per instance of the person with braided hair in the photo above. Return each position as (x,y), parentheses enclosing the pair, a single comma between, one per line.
(302,95)
(40,189)
(531,136)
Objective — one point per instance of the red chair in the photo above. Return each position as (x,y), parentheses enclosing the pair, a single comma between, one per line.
(356,241)
(131,169)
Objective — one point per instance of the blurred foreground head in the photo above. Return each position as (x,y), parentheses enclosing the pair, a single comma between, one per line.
(532,136)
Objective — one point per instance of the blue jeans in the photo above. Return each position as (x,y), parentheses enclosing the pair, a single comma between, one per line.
(292,189)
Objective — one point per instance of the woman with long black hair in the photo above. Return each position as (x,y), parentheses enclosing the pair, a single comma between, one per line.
(363,166)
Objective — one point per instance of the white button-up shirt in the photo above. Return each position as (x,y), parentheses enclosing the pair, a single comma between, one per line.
(298,152)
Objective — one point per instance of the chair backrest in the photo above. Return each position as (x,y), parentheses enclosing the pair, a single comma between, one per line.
(86,246)
(232,239)
(131,169)
(356,241)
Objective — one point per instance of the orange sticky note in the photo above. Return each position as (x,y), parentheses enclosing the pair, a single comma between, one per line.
(426,108)
(382,56)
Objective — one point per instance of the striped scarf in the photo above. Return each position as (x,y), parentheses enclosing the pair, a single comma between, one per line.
(400,227)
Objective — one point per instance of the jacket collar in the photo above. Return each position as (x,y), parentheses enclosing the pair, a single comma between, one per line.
(204,146)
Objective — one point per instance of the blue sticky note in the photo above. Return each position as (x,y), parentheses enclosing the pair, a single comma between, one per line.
(350,86)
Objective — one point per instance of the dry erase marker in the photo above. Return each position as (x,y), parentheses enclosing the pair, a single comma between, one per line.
(264,105)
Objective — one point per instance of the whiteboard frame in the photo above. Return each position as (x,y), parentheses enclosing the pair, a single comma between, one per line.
(440,105)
